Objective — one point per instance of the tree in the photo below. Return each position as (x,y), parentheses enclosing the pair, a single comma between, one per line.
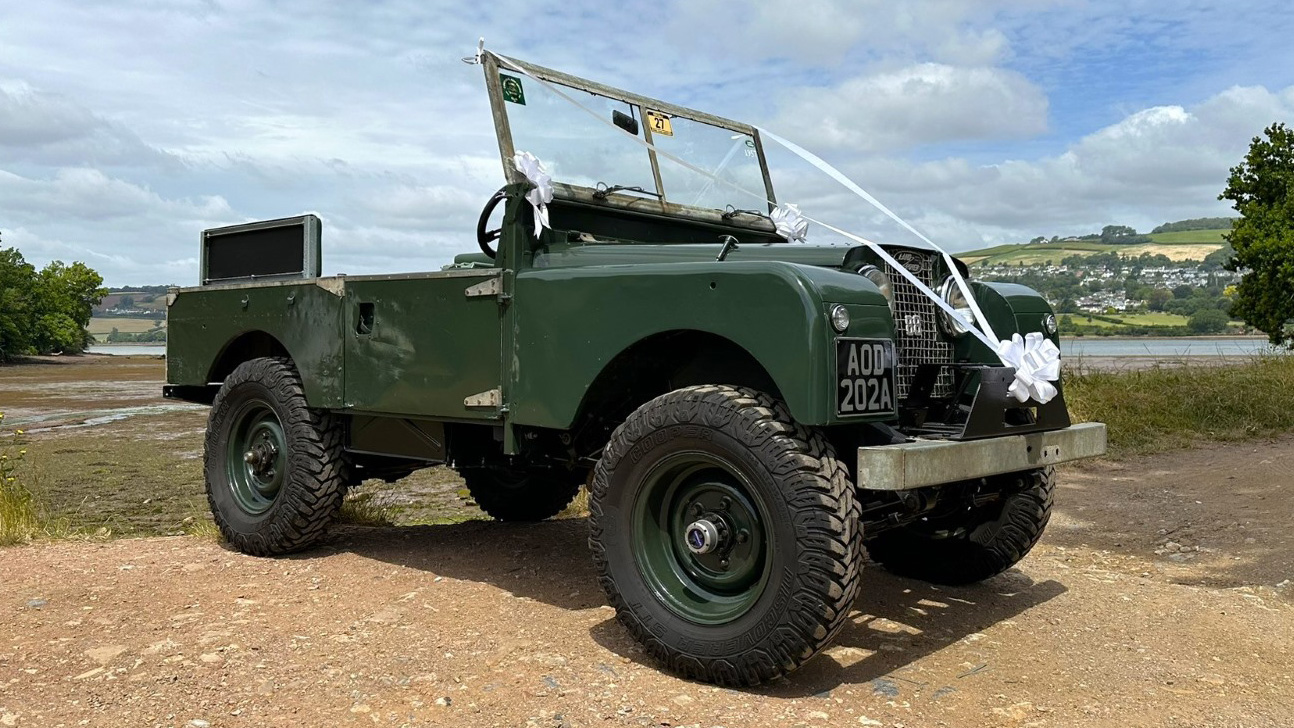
(16,307)
(1207,321)
(1183,291)
(1158,298)
(46,311)
(1261,189)
(67,295)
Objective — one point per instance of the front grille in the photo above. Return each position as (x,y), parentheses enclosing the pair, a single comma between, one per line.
(917,338)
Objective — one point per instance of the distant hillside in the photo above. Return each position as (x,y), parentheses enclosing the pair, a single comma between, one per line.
(140,301)
(1199,223)
(1184,245)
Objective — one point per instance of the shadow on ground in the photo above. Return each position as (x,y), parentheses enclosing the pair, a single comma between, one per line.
(895,623)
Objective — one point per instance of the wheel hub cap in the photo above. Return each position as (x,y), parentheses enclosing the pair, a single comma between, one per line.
(256,464)
(699,537)
(703,536)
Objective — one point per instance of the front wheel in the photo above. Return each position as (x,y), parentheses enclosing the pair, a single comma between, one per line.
(275,468)
(972,543)
(726,536)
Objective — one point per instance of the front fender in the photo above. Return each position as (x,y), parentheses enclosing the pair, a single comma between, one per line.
(572,322)
(1010,309)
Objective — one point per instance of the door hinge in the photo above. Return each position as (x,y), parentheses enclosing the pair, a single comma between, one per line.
(488,398)
(491,287)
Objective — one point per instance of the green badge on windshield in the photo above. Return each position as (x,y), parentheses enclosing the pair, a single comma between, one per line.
(511,86)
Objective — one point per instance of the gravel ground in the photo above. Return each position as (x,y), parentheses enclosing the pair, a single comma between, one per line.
(1159,596)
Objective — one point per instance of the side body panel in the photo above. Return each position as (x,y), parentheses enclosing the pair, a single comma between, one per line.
(428,347)
(571,322)
(305,318)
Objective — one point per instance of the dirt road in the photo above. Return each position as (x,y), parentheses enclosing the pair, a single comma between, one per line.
(1160,595)
(1153,600)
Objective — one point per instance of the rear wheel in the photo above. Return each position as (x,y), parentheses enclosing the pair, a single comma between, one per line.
(520,496)
(974,542)
(726,535)
(275,469)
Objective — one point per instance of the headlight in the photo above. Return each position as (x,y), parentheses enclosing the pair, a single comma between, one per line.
(958,325)
(882,281)
(839,318)
(1049,323)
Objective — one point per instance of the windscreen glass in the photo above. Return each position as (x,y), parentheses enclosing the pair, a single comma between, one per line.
(590,150)
(726,154)
(575,147)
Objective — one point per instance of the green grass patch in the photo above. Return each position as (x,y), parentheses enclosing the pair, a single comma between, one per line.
(1152,318)
(1170,407)
(1190,236)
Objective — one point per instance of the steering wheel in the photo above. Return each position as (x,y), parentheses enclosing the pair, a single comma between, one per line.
(485,237)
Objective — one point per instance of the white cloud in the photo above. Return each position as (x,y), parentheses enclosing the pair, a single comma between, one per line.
(47,128)
(1153,166)
(922,104)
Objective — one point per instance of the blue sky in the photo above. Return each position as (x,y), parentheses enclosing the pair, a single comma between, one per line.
(127,127)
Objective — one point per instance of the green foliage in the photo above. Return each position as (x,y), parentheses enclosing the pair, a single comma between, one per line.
(46,311)
(1121,235)
(1219,258)
(1198,223)
(1163,408)
(157,335)
(1208,321)
(1261,188)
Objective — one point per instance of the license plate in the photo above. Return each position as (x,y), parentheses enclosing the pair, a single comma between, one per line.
(864,377)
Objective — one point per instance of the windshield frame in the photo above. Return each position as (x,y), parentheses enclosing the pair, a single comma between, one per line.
(503,131)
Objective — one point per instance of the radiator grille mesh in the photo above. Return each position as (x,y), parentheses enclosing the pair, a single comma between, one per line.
(917,338)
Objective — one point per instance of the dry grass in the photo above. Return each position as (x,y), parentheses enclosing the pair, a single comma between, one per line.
(364,506)
(20,516)
(1165,408)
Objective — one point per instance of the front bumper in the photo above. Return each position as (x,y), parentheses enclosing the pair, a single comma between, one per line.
(933,462)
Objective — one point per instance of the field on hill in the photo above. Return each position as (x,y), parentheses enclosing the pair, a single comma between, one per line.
(101,326)
(1190,236)
(1188,245)
(1151,318)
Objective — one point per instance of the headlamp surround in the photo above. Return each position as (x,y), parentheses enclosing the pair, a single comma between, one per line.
(955,326)
(882,281)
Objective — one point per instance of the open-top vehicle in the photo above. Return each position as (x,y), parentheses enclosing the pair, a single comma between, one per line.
(752,416)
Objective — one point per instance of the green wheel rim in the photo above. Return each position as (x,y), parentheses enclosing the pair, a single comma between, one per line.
(678,493)
(256,459)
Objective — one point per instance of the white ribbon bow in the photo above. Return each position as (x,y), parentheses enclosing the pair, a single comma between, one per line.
(789,223)
(542,194)
(1037,364)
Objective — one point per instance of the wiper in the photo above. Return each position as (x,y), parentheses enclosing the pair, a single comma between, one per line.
(732,212)
(603,190)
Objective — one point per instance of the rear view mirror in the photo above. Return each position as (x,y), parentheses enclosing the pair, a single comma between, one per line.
(625,121)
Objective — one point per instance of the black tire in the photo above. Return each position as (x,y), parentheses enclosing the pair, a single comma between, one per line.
(810,530)
(520,497)
(308,466)
(972,545)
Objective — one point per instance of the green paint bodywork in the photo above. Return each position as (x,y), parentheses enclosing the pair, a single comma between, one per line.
(529,352)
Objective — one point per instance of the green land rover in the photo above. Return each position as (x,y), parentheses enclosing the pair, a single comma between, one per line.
(754,418)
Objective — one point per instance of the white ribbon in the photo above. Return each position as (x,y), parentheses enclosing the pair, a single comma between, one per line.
(542,193)
(1037,364)
(789,223)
